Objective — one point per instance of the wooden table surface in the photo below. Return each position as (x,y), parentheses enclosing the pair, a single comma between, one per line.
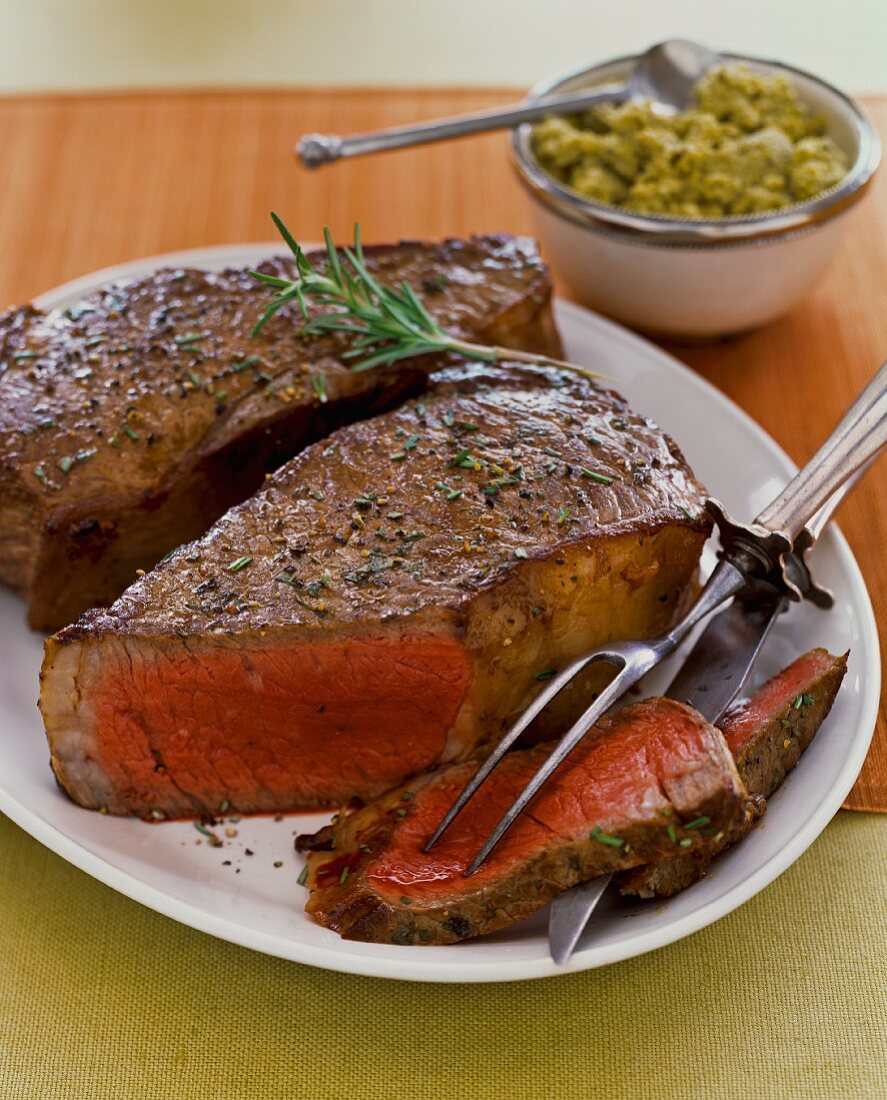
(88,181)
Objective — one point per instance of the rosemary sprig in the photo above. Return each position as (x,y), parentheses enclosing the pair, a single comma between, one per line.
(387,324)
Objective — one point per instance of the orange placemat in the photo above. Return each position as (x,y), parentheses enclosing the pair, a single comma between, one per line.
(89,181)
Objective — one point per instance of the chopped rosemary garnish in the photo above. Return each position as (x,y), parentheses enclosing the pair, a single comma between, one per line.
(672,835)
(463,459)
(411,443)
(318,385)
(344,874)
(604,479)
(545,673)
(303,876)
(563,514)
(242,364)
(606,838)
(698,822)
(131,432)
(240,563)
(451,494)
(386,324)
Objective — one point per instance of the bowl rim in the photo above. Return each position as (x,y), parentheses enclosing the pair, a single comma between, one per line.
(664,228)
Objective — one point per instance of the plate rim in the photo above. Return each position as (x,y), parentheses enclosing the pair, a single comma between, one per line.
(368,965)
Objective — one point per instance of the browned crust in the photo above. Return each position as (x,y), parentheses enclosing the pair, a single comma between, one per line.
(76,537)
(645,486)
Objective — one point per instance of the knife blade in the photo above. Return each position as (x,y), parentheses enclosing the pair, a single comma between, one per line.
(569,915)
(719,663)
(709,679)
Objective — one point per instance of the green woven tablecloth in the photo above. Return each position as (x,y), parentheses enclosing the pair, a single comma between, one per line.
(787,997)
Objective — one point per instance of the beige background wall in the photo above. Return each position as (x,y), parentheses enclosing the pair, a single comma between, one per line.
(72,44)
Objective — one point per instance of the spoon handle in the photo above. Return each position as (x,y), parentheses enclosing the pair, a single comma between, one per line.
(314,150)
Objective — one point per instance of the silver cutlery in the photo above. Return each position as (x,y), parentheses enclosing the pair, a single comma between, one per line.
(710,678)
(665,74)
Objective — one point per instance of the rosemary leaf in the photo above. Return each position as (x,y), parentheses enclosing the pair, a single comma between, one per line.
(385,324)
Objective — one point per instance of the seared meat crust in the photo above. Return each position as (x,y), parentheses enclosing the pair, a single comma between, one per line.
(132,420)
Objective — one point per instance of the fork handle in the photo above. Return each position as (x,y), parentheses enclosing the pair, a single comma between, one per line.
(860,434)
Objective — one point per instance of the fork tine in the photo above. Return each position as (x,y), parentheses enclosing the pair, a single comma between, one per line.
(555,687)
(617,687)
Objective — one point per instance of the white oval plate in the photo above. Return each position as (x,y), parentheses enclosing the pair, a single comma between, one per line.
(252,902)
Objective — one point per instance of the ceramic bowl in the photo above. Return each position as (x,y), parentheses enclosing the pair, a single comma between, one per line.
(697,278)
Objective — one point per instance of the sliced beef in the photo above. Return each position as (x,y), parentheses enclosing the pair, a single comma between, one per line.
(133,420)
(766,736)
(638,784)
(391,600)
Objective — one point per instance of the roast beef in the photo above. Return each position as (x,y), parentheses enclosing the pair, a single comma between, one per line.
(131,421)
(766,736)
(391,599)
(652,776)
(638,785)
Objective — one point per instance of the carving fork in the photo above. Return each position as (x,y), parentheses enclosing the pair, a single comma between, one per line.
(751,555)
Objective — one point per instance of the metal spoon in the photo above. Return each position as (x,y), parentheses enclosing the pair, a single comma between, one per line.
(665,74)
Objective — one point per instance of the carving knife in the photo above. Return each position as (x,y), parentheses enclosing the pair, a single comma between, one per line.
(709,679)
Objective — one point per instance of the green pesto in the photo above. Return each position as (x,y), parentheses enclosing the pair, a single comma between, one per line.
(746,146)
